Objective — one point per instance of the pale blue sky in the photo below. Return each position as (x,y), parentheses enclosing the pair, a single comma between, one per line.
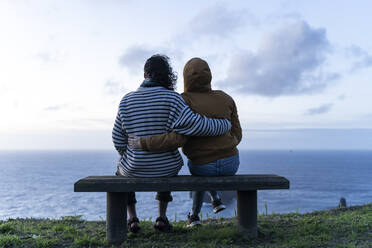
(299,70)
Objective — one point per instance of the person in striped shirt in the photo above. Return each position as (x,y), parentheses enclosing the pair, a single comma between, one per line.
(155,108)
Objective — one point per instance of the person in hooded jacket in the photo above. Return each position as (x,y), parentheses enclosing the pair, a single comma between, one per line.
(207,156)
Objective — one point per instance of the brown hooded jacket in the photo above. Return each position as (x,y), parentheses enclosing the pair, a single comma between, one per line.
(200,97)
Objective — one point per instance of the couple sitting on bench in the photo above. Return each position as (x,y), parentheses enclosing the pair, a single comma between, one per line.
(154,121)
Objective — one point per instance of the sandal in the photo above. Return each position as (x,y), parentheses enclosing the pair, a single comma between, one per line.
(162,224)
(133,225)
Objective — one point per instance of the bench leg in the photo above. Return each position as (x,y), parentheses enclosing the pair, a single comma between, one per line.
(116,217)
(247,213)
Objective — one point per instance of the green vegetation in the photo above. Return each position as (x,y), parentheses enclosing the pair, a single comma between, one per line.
(343,227)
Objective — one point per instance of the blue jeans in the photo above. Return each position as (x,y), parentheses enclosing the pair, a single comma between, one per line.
(222,167)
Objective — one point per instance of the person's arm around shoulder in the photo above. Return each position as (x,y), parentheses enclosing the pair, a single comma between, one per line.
(163,142)
(190,123)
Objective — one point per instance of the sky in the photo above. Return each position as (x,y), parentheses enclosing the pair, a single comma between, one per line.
(299,71)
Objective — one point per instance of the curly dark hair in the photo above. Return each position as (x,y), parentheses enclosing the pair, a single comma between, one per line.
(158,68)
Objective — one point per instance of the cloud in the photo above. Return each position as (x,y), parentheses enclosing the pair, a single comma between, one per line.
(104,121)
(55,56)
(341,97)
(325,108)
(288,62)
(134,58)
(55,107)
(274,17)
(45,56)
(367,117)
(355,51)
(309,138)
(219,21)
(3,89)
(112,87)
(363,58)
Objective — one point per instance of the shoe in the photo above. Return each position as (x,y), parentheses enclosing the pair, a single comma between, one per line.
(133,225)
(218,206)
(162,224)
(193,220)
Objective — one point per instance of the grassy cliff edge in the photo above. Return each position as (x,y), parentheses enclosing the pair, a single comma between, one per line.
(341,227)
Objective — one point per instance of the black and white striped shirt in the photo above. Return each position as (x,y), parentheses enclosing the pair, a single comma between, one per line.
(152,111)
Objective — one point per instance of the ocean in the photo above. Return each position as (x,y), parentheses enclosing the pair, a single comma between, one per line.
(39,184)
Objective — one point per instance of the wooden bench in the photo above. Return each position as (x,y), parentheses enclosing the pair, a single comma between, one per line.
(117,188)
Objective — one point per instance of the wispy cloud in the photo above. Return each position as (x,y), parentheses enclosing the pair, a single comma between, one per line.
(112,87)
(325,108)
(283,15)
(362,58)
(219,21)
(341,97)
(45,56)
(51,56)
(135,57)
(289,62)
(309,138)
(213,22)
(55,107)
(88,123)
(107,121)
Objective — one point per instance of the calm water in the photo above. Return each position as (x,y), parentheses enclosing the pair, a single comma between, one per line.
(40,183)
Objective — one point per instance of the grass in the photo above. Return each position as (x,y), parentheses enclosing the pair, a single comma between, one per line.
(343,227)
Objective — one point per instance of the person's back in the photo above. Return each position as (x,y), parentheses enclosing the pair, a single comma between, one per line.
(146,112)
(153,110)
(209,156)
(216,104)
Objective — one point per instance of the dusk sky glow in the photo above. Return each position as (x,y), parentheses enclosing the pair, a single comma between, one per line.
(299,71)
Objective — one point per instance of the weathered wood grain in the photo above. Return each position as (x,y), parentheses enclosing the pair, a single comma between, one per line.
(116,217)
(247,213)
(180,183)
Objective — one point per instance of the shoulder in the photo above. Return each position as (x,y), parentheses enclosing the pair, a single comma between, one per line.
(170,95)
(186,97)
(173,93)
(223,95)
(145,94)
(127,96)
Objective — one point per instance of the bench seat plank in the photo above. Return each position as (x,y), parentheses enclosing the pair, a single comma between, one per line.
(180,183)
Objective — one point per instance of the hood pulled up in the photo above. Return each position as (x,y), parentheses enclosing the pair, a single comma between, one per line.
(197,76)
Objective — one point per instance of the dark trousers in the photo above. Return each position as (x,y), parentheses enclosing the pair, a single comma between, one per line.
(160,196)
